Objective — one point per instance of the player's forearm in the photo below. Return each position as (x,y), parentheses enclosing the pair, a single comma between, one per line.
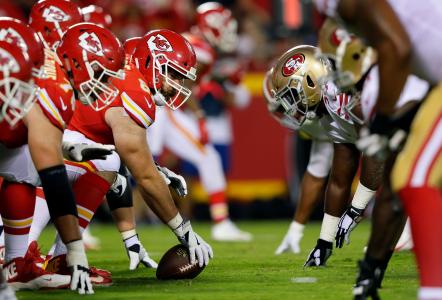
(156,194)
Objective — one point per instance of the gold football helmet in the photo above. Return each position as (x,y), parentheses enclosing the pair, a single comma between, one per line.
(351,56)
(297,84)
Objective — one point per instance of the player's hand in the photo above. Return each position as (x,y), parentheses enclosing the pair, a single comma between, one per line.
(320,254)
(204,134)
(77,263)
(83,152)
(291,241)
(349,220)
(174,180)
(137,254)
(199,250)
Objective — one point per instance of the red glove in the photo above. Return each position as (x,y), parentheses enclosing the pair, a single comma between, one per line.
(204,134)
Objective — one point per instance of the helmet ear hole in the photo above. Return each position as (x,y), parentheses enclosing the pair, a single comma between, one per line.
(356,56)
(310,82)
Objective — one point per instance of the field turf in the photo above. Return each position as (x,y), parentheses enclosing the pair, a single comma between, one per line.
(239,270)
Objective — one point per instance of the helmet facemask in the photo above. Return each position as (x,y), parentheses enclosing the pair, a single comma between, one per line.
(294,101)
(16,96)
(97,91)
(161,69)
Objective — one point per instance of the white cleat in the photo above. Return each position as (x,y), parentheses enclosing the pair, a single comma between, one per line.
(91,242)
(406,240)
(227,231)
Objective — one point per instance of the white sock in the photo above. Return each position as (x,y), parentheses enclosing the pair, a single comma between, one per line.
(60,247)
(2,233)
(430,293)
(329,227)
(130,238)
(15,246)
(362,196)
(40,220)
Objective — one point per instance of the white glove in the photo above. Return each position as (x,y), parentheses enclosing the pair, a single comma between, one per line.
(378,145)
(83,152)
(291,241)
(77,263)
(349,220)
(199,250)
(175,181)
(137,254)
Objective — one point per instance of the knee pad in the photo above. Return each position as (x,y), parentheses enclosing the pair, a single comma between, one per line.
(120,194)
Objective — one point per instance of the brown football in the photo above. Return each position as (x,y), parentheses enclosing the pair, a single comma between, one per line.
(175,264)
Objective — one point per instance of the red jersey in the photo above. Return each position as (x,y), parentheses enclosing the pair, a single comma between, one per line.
(55,98)
(134,97)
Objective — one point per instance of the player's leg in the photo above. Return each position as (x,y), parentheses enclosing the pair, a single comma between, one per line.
(312,191)
(337,195)
(183,140)
(417,177)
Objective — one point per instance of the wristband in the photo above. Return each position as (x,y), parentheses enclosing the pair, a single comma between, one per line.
(175,222)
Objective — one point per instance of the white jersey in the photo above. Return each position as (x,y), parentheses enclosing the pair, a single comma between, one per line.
(422,20)
(337,123)
(415,89)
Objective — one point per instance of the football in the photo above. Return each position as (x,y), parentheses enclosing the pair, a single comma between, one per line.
(175,264)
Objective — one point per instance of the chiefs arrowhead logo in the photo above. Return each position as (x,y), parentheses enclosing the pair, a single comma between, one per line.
(91,43)
(7,61)
(293,64)
(159,43)
(54,14)
(11,36)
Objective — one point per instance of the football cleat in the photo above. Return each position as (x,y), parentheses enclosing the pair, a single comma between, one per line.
(23,273)
(227,231)
(90,242)
(320,254)
(58,264)
(6,292)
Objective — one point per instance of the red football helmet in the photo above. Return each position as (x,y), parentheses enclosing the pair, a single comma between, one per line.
(93,55)
(16,32)
(130,45)
(17,94)
(205,54)
(51,18)
(161,54)
(217,25)
(97,15)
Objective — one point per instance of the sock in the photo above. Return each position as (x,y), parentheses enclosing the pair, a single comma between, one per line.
(41,216)
(329,227)
(362,196)
(89,190)
(16,207)
(2,236)
(219,210)
(427,293)
(424,207)
(130,238)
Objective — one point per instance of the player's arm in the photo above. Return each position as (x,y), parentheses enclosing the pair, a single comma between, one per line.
(44,140)
(131,145)
(380,26)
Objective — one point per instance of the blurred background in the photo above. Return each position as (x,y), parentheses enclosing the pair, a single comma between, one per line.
(265,161)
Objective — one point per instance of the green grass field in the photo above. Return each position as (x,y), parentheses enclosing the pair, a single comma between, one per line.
(239,270)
